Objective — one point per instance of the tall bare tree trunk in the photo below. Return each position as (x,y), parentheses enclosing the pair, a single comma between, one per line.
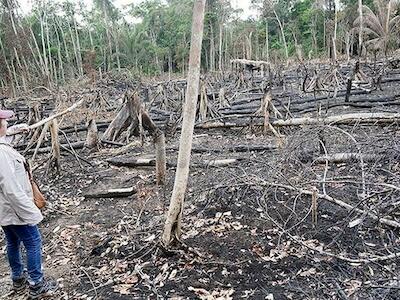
(14,72)
(283,35)
(91,39)
(249,46)
(50,60)
(360,34)
(23,71)
(75,48)
(212,49)
(46,63)
(226,56)
(266,41)
(41,62)
(314,35)
(60,59)
(325,40)
(334,51)
(348,39)
(169,65)
(78,48)
(173,223)
(68,57)
(221,28)
(10,74)
(116,41)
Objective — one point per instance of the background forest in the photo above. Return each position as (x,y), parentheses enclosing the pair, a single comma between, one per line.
(60,41)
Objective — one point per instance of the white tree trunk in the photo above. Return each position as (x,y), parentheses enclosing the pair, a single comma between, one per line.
(283,35)
(334,38)
(172,228)
(360,34)
(220,46)
(78,48)
(266,41)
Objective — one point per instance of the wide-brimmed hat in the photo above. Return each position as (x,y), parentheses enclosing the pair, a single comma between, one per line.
(6,114)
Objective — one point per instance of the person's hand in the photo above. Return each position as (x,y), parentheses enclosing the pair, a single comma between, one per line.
(25,129)
(21,128)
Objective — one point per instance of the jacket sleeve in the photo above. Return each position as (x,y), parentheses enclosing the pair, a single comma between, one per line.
(20,202)
(17,128)
(15,131)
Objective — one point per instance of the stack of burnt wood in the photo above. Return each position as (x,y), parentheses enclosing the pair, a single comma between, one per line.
(255,94)
(307,90)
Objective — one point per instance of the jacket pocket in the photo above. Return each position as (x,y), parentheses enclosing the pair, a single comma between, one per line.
(7,214)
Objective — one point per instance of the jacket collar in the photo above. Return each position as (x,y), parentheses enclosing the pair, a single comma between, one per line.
(5,140)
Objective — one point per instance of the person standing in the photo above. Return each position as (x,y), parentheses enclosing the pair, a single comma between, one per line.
(19,217)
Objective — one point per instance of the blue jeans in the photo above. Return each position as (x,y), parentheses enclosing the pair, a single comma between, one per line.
(30,237)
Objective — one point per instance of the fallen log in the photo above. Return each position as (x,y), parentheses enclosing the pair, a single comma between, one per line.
(112,143)
(296,99)
(132,162)
(110,193)
(220,162)
(301,104)
(392,79)
(151,161)
(214,125)
(346,157)
(360,118)
(342,119)
(80,128)
(328,105)
(237,148)
(309,107)
(76,145)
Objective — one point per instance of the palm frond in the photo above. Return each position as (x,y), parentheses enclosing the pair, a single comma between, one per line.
(381,26)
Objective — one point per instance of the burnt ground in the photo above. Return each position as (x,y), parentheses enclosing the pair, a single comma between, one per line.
(248,231)
(236,228)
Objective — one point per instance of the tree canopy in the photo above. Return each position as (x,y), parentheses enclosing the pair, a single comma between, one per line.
(59,41)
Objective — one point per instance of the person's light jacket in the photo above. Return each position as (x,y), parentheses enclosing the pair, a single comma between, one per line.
(16,198)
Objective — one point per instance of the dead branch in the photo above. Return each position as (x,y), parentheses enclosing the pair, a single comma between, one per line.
(55,116)
(346,157)
(341,203)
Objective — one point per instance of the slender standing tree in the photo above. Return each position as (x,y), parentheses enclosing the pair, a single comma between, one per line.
(282,34)
(173,223)
(334,37)
(266,40)
(360,34)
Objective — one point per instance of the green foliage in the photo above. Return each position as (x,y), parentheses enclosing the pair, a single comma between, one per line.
(158,38)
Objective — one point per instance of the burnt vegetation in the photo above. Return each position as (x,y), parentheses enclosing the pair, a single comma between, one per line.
(294,183)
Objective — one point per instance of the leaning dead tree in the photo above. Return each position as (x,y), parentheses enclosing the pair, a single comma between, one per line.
(172,229)
(133,118)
